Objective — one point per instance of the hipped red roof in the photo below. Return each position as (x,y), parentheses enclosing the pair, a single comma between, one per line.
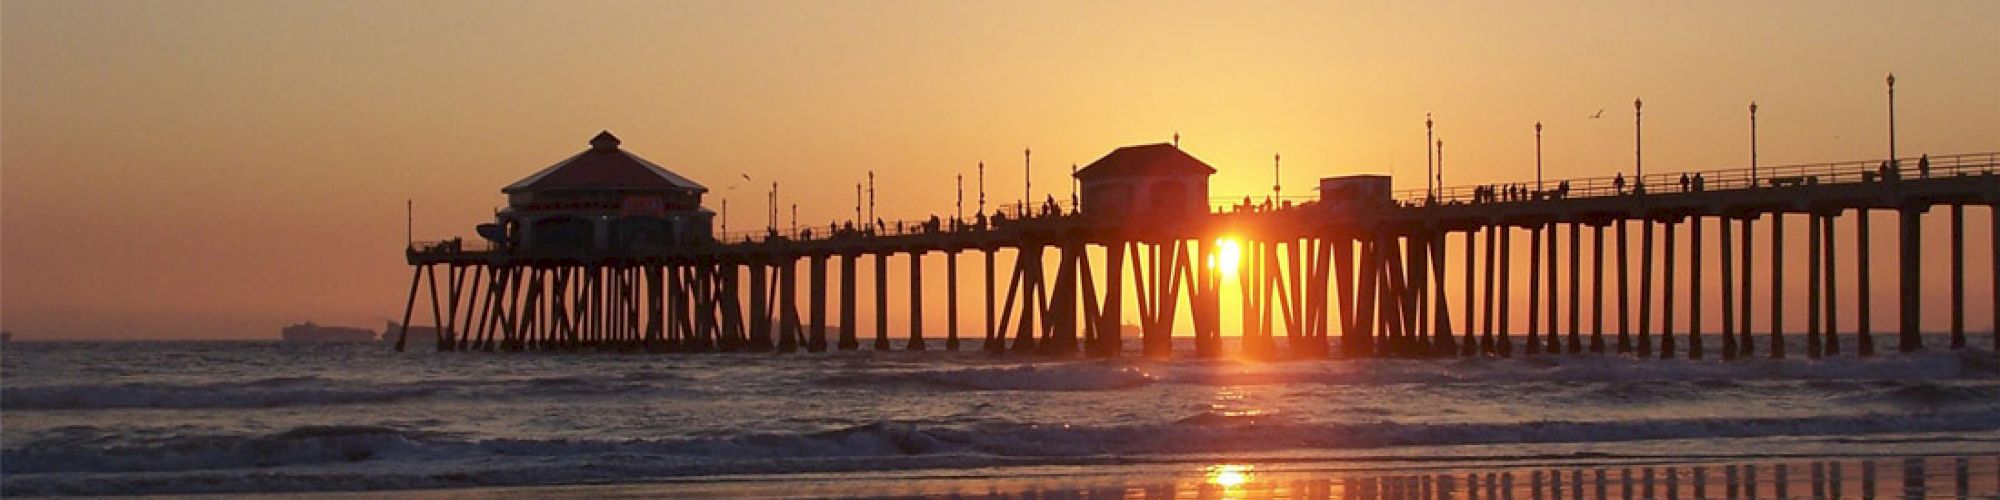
(604,166)
(1145,160)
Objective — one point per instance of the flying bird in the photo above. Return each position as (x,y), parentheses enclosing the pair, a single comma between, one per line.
(1598,114)
(747,176)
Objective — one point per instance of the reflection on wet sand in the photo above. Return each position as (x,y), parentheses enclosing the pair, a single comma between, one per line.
(1914,477)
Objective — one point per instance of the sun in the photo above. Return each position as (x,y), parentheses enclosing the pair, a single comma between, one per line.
(1228,255)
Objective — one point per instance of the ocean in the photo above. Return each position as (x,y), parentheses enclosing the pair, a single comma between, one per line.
(275,418)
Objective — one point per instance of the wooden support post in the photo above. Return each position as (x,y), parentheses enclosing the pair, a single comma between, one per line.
(1506,347)
(1061,312)
(1830,332)
(816,303)
(1554,264)
(1365,287)
(1417,293)
(1346,294)
(1597,288)
(916,340)
(848,341)
(1624,292)
(1487,345)
(1777,347)
(1645,347)
(1957,276)
(1319,286)
(1667,345)
(788,304)
(1111,322)
(951,300)
(1694,288)
(1813,344)
(1864,338)
(454,274)
(1027,269)
(1993,237)
(1441,337)
(1470,345)
(1746,345)
(760,308)
(409,306)
(1911,338)
(437,317)
(1535,289)
(1728,288)
(1575,287)
(993,342)
(882,301)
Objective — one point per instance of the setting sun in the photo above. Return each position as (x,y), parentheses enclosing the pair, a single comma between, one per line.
(1228,255)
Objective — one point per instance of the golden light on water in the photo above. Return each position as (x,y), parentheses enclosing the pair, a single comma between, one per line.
(1229,475)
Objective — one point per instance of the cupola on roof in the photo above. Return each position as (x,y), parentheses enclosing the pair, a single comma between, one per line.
(604,167)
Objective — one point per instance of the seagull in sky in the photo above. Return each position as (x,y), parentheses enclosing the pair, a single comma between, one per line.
(1598,114)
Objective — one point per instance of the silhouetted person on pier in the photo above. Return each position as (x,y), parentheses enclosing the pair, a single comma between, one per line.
(1618,184)
(1924,166)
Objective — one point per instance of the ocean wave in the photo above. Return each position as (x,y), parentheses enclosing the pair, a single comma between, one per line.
(265,393)
(1710,372)
(278,392)
(1032,377)
(1200,433)
(321,458)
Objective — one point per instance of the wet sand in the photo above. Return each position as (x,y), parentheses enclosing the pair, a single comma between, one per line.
(1788,477)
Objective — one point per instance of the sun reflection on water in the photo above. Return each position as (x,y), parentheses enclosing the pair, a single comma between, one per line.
(1230,476)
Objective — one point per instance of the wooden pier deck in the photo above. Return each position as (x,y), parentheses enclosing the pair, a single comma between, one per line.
(1370,276)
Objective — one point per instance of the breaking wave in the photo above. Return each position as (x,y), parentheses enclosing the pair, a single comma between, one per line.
(372,457)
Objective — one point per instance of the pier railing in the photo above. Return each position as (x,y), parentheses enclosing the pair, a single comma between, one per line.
(1763,177)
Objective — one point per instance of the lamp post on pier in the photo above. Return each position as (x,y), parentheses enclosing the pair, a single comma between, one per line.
(1430,189)
(1892,118)
(1027,179)
(1638,147)
(1753,144)
(1538,156)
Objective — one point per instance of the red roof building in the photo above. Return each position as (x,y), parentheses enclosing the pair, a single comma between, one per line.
(1149,179)
(604,198)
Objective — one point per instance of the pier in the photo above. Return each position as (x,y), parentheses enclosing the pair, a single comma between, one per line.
(1357,271)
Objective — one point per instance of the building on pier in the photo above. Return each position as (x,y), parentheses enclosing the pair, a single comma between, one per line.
(1355,192)
(1152,179)
(603,199)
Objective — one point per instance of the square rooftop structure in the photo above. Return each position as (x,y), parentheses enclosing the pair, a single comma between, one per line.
(603,199)
(1355,192)
(1142,181)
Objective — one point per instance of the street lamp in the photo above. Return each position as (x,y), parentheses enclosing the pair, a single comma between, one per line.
(1027,179)
(1892,118)
(1638,146)
(1430,190)
(1538,156)
(1753,144)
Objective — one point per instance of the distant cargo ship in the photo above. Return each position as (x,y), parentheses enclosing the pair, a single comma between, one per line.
(310,332)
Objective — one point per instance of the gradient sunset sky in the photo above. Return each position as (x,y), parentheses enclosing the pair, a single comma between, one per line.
(218,169)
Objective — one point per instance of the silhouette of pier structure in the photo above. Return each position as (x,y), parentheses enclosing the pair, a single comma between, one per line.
(606,250)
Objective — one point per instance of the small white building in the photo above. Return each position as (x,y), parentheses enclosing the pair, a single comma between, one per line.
(603,198)
(1355,192)
(1145,180)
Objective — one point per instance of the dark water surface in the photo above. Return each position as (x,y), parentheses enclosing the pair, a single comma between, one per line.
(241,417)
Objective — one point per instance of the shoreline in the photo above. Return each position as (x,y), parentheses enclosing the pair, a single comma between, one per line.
(1918,475)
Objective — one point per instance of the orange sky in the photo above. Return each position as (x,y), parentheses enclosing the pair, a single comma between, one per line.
(219,169)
